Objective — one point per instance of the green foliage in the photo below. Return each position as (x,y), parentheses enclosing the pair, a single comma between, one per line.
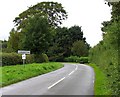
(79,48)
(13,41)
(66,37)
(72,59)
(45,57)
(101,85)
(84,60)
(76,59)
(107,59)
(4,44)
(13,74)
(37,35)
(35,26)
(106,54)
(39,58)
(4,47)
(54,11)
(62,42)
(76,33)
(13,59)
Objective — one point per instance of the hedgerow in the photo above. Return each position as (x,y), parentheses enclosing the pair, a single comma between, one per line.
(14,58)
(76,59)
(106,54)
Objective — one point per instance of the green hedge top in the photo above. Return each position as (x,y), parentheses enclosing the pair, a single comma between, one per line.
(14,58)
(77,59)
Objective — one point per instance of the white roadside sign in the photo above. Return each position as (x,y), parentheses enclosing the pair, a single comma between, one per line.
(23,56)
(23,52)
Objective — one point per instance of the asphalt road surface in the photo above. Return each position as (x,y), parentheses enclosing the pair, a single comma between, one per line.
(72,79)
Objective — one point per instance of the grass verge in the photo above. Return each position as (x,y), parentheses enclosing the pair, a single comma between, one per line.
(102,85)
(13,74)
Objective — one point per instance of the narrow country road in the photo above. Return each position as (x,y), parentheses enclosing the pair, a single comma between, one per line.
(72,79)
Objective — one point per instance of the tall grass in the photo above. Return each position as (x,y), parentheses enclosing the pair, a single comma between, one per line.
(13,74)
(102,85)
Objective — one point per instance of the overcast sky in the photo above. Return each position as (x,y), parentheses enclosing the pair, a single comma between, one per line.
(86,13)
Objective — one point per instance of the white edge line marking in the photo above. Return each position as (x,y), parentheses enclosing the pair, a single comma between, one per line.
(56,83)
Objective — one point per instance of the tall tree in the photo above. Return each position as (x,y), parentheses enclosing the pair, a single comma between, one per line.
(76,33)
(54,12)
(4,44)
(37,35)
(79,48)
(13,41)
(64,39)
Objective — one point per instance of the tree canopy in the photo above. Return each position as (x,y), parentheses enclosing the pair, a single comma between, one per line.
(54,12)
(37,35)
(64,39)
(80,49)
(13,41)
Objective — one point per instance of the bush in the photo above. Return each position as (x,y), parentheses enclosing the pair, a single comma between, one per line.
(77,59)
(14,58)
(83,60)
(71,59)
(45,58)
(29,59)
(39,58)
(106,57)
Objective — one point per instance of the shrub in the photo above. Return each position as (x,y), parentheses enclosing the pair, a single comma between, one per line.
(45,58)
(72,59)
(39,58)
(77,59)
(10,59)
(106,57)
(29,59)
(83,60)
(14,58)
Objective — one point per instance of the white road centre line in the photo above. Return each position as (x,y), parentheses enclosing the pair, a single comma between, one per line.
(71,72)
(56,83)
(76,67)
(63,78)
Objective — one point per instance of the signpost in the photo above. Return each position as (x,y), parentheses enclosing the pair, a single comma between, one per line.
(23,52)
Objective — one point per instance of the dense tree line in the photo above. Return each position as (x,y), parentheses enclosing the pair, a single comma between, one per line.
(38,30)
(63,43)
(106,54)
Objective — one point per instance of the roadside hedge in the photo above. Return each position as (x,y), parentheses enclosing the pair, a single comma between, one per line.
(77,59)
(14,58)
(39,58)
